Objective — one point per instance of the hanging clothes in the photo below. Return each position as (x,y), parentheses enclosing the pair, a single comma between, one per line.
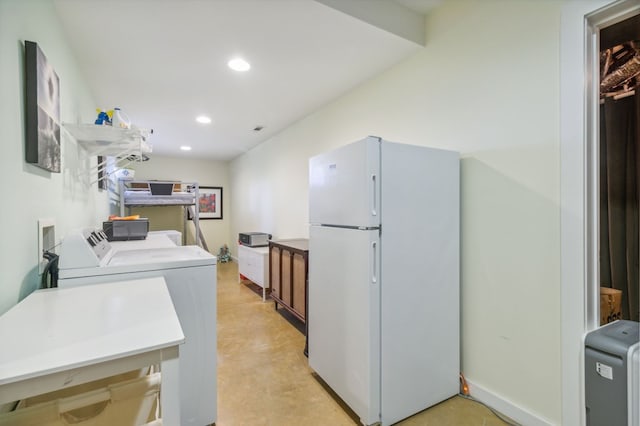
(620,200)
(620,68)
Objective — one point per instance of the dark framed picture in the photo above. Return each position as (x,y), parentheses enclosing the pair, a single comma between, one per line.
(42,115)
(210,202)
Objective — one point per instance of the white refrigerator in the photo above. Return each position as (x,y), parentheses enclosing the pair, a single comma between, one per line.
(383,317)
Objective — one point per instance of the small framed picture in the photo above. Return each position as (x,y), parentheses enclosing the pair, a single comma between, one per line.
(210,202)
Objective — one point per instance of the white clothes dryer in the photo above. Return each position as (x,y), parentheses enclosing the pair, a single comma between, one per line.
(154,239)
(86,257)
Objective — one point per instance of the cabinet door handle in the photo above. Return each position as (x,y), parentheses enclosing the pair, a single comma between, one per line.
(374,249)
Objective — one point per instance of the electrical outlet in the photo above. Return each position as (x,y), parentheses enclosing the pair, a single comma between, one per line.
(46,240)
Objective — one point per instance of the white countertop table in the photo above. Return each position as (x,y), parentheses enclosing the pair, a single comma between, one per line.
(57,338)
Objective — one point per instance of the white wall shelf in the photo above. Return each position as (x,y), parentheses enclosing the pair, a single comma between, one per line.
(125,145)
(108,140)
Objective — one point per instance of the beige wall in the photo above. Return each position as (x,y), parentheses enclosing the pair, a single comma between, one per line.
(486,85)
(206,173)
(28,192)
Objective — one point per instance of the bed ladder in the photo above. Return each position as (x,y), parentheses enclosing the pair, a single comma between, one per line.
(199,234)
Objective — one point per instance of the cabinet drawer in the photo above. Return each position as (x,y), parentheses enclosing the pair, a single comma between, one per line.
(286,277)
(252,263)
(288,273)
(298,285)
(274,271)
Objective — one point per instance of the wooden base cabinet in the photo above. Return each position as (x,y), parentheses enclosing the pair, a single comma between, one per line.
(288,273)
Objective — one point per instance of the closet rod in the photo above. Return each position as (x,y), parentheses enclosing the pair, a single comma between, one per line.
(624,95)
(620,96)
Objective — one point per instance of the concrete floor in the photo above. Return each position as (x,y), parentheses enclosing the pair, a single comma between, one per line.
(264,378)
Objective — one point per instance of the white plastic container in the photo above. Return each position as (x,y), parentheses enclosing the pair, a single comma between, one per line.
(125,174)
(120,119)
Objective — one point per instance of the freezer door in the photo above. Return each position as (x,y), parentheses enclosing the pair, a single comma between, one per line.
(344,315)
(344,185)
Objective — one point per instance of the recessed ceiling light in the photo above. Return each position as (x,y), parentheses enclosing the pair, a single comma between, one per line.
(203,119)
(239,64)
(185,148)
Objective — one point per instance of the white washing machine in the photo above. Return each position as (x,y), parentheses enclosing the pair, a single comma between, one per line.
(86,257)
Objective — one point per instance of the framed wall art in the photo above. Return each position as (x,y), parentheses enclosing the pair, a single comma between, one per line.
(42,105)
(210,202)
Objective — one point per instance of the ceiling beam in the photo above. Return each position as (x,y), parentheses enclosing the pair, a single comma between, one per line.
(384,14)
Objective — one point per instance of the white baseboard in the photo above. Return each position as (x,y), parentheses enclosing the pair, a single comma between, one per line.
(506,407)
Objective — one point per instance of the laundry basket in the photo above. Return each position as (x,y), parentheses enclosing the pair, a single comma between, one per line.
(129,403)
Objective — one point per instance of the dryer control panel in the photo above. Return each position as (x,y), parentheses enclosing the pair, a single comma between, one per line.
(84,248)
(99,242)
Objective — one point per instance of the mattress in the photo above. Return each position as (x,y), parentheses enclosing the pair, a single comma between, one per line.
(145,198)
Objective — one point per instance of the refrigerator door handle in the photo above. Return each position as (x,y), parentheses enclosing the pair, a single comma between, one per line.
(374,248)
(373,198)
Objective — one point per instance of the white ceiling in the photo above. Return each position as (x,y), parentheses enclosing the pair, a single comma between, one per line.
(164,62)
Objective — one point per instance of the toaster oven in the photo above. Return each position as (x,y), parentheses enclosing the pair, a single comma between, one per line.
(254,239)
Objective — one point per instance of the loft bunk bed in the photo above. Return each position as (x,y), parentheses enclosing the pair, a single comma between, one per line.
(153,193)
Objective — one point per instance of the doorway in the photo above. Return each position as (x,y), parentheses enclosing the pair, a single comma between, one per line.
(618,172)
(581,24)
